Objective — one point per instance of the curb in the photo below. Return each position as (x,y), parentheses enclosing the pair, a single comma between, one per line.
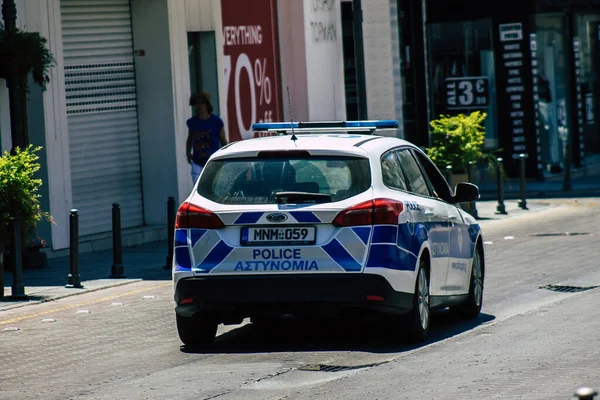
(25,302)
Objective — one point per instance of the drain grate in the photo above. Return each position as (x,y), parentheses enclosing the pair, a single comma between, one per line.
(335,368)
(562,234)
(568,289)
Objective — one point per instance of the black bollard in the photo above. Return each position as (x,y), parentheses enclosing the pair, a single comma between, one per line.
(500,208)
(170,232)
(73,279)
(471,179)
(585,393)
(449,176)
(117,269)
(18,289)
(522,201)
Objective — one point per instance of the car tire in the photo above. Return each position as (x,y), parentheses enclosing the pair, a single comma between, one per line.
(197,331)
(420,316)
(472,306)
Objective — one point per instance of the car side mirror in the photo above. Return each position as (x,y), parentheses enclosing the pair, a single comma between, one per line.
(465,193)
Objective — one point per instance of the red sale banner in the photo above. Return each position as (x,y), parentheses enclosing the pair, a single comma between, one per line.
(251,59)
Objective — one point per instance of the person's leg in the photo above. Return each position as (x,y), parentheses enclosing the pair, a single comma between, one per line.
(196,169)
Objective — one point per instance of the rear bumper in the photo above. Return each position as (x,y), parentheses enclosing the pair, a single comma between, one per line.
(234,297)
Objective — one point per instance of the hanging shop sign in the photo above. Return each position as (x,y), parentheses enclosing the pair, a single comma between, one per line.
(467,92)
(251,65)
(516,67)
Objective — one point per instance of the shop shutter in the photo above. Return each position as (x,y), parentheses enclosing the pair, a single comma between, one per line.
(102,112)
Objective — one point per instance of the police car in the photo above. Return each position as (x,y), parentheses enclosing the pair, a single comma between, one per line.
(324,217)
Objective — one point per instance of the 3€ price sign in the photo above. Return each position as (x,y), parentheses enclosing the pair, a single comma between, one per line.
(467,92)
(251,65)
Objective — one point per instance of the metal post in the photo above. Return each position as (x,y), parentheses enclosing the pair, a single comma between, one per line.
(16,84)
(471,178)
(585,393)
(449,176)
(117,269)
(18,289)
(522,201)
(500,208)
(170,232)
(73,279)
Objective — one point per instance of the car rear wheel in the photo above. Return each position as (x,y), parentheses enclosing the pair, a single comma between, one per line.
(197,331)
(472,306)
(420,316)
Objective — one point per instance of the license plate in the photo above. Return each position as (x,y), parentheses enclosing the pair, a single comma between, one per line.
(279,235)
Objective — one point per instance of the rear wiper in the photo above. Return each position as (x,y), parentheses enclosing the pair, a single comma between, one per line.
(301,197)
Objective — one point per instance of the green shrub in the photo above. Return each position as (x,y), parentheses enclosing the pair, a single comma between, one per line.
(457,140)
(19,190)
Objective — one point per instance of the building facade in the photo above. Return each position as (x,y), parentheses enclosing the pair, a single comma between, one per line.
(112,120)
(531,66)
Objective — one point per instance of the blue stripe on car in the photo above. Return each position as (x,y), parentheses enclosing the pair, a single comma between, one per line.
(392,257)
(385,234)
(182,259)
(181,237)
(363,233)
(196,234)
(337,252)
(248,218)
(215,257)
(305,216)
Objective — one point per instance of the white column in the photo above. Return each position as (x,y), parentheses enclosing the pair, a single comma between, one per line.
(181,91)
(57,129)
(324,60)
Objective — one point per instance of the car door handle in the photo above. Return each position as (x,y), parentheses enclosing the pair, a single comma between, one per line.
(452,217)
(429,213)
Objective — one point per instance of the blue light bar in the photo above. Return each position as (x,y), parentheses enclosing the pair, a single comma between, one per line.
(327,125)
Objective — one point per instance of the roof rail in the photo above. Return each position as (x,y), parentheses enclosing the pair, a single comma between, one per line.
(326,126)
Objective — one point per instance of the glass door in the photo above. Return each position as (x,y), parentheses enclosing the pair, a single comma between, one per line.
(461,70)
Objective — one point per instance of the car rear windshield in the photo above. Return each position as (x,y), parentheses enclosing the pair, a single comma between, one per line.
(259,180)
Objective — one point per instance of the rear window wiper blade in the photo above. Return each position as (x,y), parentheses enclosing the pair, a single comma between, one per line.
(301,197)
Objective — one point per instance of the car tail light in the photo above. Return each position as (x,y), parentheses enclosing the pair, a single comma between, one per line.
(192,216)
(372,212)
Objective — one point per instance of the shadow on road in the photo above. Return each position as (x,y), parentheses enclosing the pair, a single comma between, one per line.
(332,335)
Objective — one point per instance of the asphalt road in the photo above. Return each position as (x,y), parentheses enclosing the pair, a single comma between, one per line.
(529,342)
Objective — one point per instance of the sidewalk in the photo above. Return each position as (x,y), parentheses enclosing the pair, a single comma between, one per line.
(142,262)
(581,186)
(146,261)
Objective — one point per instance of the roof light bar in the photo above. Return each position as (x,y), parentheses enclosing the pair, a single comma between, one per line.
(326,125)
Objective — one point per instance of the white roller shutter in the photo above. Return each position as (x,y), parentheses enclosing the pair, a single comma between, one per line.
(102,112)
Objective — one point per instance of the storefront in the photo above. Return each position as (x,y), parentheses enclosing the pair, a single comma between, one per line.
(529,66)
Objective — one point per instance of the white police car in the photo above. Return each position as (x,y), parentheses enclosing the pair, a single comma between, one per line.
(329,217)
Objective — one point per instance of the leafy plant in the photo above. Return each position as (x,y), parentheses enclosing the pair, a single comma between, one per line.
(457,140)
(29,52)
(19,190)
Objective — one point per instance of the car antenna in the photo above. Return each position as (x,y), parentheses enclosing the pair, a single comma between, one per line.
(294,138)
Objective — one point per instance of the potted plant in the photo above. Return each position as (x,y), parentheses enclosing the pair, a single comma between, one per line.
(19,199)
(27,51)
(457,140)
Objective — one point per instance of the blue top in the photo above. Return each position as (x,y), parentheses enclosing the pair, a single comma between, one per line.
(205,136)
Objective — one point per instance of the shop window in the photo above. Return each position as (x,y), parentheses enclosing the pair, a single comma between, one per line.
(461,71)
(552,82)
(587,34)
